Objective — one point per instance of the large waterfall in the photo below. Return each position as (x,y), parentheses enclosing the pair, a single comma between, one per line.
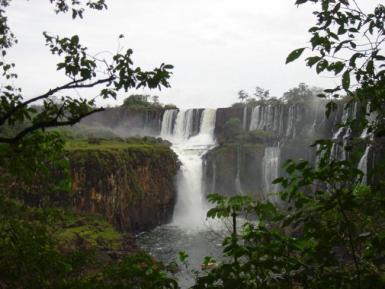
(178,128)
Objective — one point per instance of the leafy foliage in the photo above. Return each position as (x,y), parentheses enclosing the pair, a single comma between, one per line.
(34,250)
(329,232)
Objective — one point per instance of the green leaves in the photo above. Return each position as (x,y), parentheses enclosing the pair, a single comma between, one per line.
(346,80)
(294,55)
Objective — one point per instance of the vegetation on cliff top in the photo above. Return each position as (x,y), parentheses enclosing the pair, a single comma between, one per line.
(150,145)
(145,102)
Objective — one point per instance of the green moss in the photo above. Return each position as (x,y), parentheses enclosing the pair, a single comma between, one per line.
(91,229)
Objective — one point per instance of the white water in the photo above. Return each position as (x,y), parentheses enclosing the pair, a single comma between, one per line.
(363,165)
(343,134)
(271,118)
(238,185)
(190,209)
(168,123)
(244,119)
(270,172)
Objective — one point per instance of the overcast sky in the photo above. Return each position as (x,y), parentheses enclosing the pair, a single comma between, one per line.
(218,47)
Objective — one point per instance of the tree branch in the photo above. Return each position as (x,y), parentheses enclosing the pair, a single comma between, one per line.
(46,124)
(70,85)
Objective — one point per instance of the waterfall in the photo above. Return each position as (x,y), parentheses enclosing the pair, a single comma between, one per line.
(168,122)
(255,115)
(269,118)
(343,133)
(238,185)
(270,171)
(214,181)
(184,124)
(244,120)
(363,165)
(190,208)
(291,120)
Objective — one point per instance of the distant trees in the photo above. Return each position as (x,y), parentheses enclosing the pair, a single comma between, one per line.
(137,101)
(145,101)
(302,93)
(261,93)
(243,96)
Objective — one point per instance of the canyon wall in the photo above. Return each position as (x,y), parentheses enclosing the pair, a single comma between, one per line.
(269,134)
(132,186)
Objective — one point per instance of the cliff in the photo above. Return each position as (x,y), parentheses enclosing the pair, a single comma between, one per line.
(255,141)
(234,169)
(132,185)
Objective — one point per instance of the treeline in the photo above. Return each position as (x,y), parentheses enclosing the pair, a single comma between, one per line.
(300,94)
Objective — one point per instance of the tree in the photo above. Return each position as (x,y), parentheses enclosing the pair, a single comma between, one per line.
(83,71)
(261,94)
(302,93)
(31,158)
(155,99)
(242,95)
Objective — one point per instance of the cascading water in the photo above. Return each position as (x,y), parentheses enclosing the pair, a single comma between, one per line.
(342,135)
(271,118)
(238,185)
(244,118)
(168,122)
(363,165)
(270,170)
(190,209)
(188,230)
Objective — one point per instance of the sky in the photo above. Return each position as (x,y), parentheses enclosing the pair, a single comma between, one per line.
(217,47)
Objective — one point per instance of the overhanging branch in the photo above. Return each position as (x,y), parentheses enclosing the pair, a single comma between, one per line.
(46,124)
(70,85)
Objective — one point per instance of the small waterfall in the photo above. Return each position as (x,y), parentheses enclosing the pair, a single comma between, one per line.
(190,208)
(244,120)
(291,120)
(238,185)
(255,118)
(184,124)
(214,181)
(268,117)
(342,135)
(168,122)
(270,170)
(363,165)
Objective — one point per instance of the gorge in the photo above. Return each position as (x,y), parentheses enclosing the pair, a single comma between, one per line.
(236,150)
(230,151)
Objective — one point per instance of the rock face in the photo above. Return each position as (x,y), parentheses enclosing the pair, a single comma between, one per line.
(132,187)
(271,134)
(234,170)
